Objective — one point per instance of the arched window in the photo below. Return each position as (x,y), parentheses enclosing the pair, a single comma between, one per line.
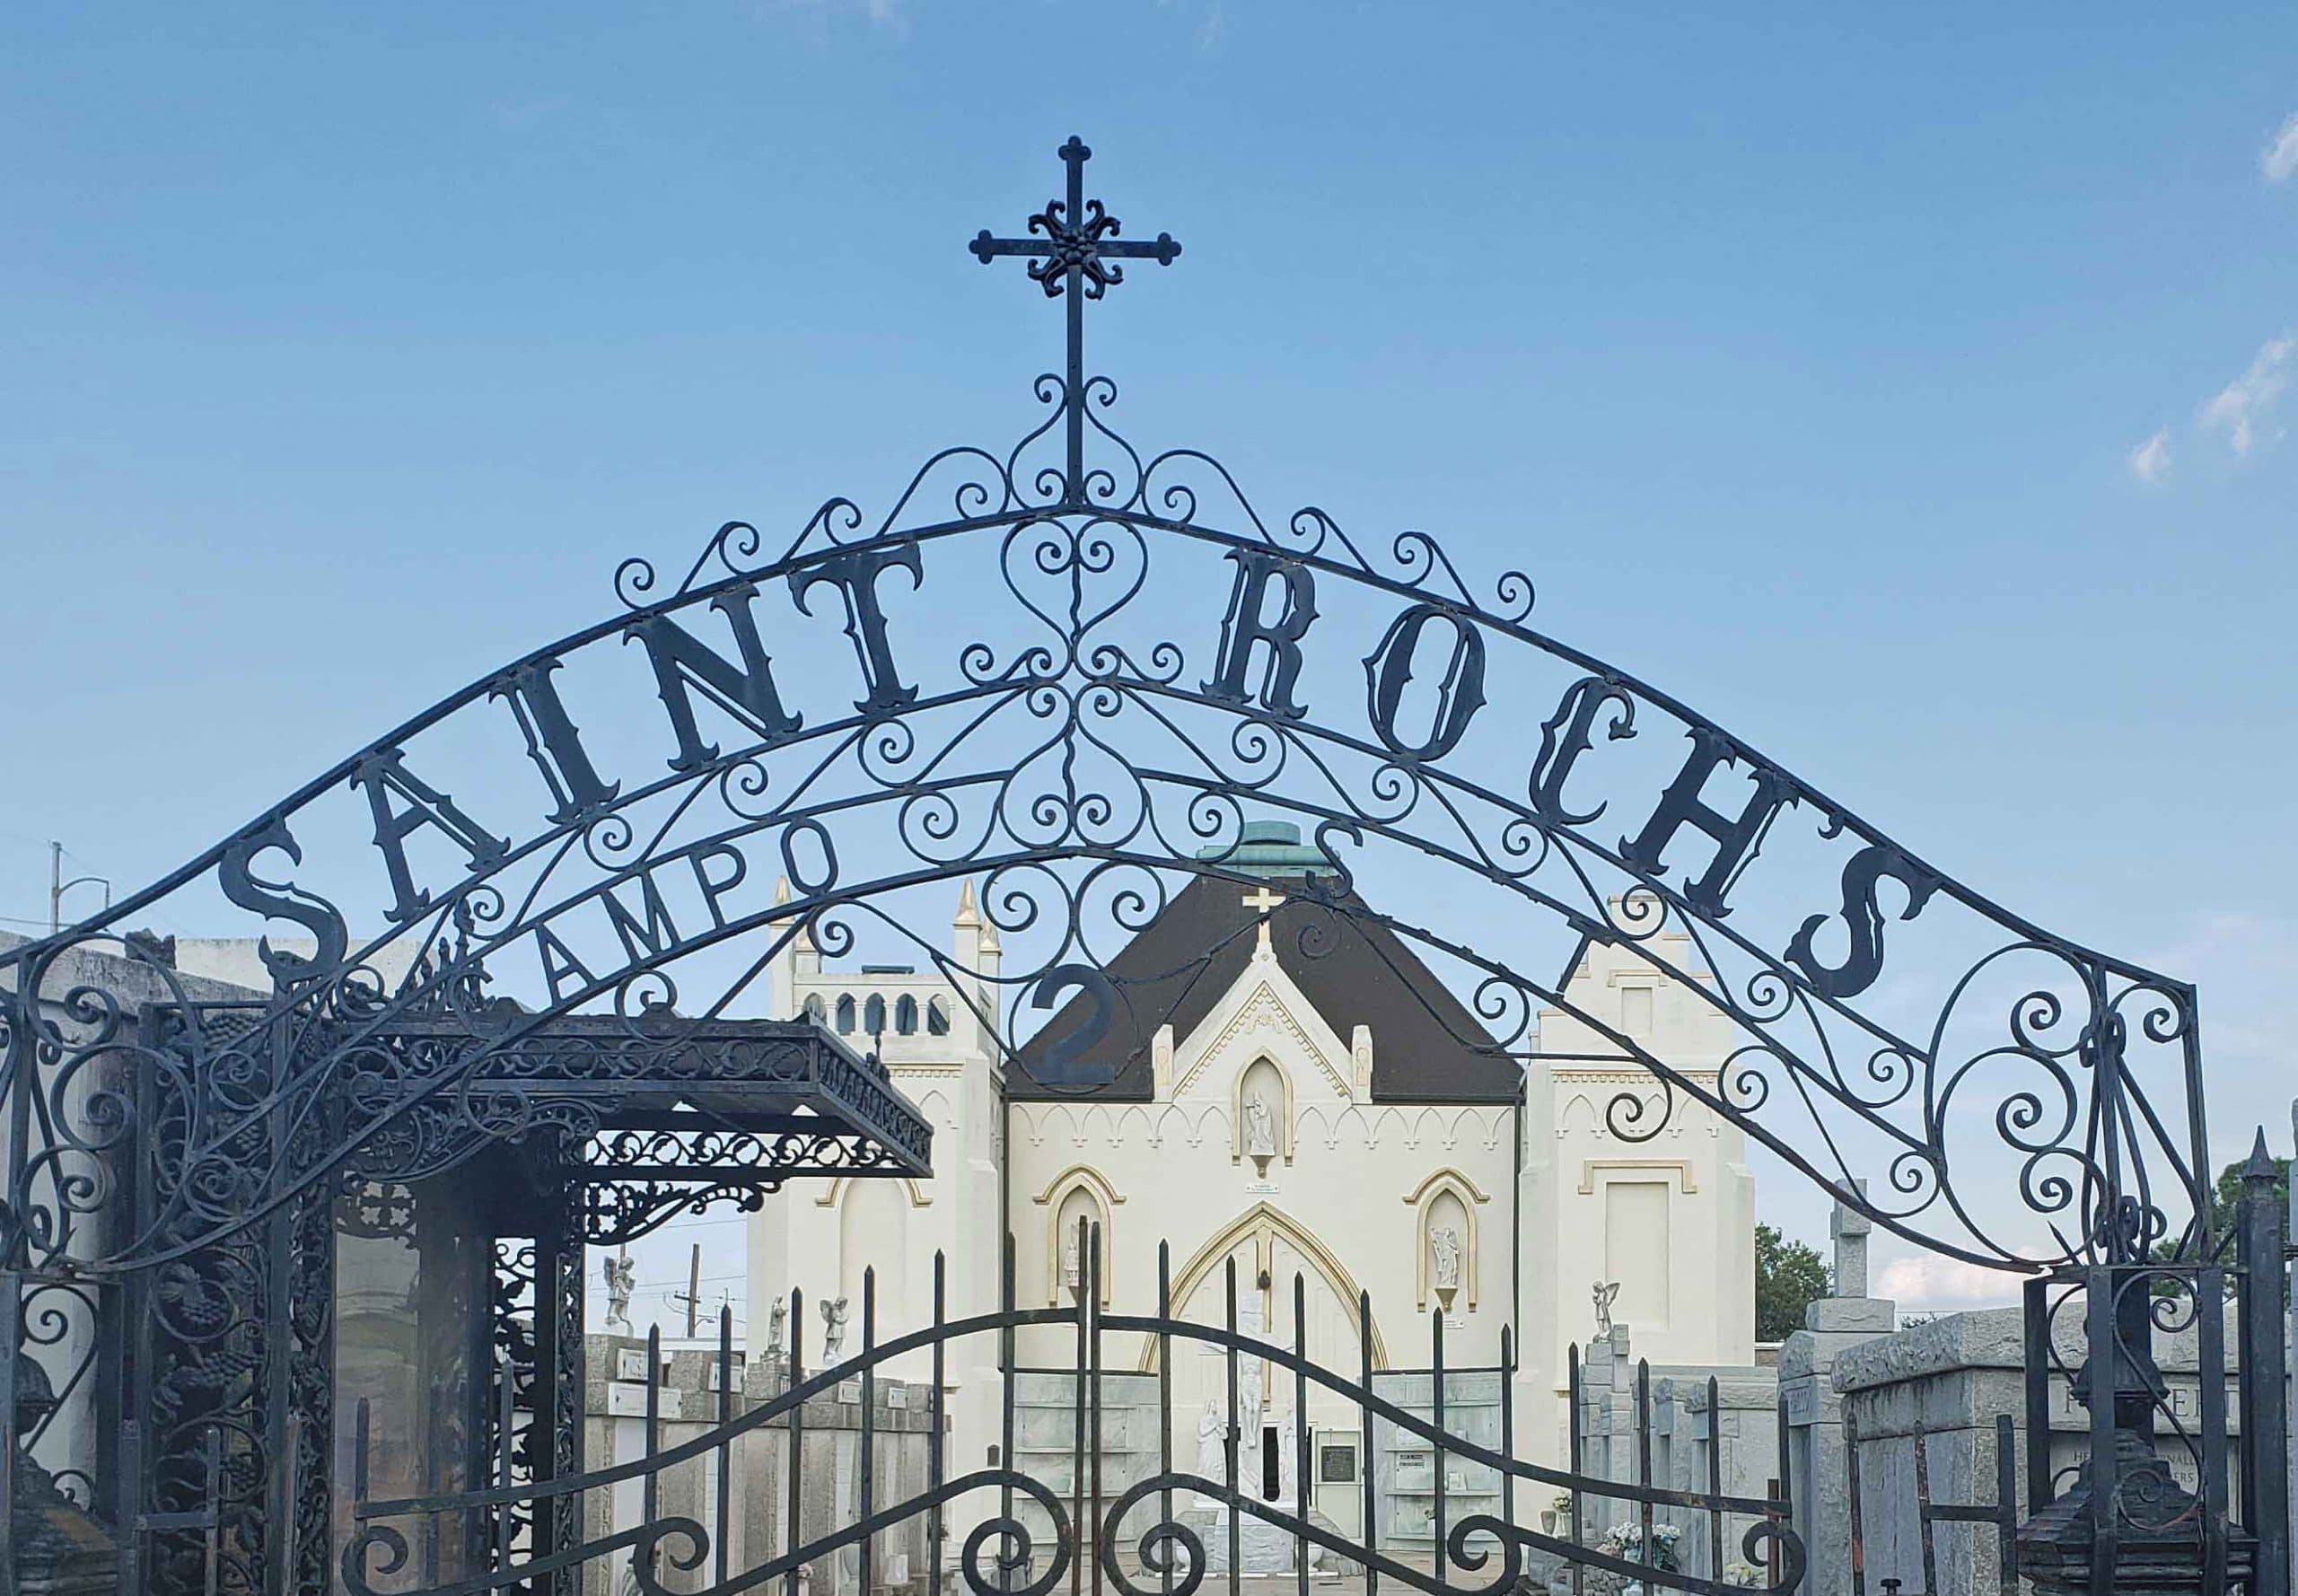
(816,1009)
(846,1015)
(873,1017)
(937,1018)
(906,1015)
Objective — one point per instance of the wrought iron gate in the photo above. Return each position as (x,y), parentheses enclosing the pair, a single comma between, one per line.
(1133,1540)
(1087,753)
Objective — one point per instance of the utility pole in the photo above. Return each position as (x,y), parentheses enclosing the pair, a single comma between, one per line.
(58,887)
(692,1295)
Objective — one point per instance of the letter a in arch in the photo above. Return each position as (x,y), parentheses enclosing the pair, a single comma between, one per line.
(1243,627)
(855,574)
(384,773)
(560,964)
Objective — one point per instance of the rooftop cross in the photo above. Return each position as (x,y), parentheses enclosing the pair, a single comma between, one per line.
(1071,250)
(1263,903)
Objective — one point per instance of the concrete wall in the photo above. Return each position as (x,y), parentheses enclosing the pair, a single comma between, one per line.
(1581,1149)
(1949,1379)
(1739,1430)
(758,1471)
(1818,1481)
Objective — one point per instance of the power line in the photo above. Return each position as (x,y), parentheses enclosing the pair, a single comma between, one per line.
(695,1224)
(658,1284)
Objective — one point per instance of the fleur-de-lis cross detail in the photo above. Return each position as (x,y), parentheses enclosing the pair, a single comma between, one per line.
(1074,242)
(1072,251)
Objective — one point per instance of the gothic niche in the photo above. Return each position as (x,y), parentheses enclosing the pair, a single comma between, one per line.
(1445,1233)
(1264,1117)
(1076,1211)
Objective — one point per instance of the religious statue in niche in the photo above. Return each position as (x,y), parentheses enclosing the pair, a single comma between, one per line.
(778,1321)
(834,1315)
(1072,1275)
(622,1279)
(1212,1449)
(1444,1264)
(1260,1132)
(1607,1293)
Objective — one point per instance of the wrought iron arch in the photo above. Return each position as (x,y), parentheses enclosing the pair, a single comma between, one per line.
(633,827)
(1097,749)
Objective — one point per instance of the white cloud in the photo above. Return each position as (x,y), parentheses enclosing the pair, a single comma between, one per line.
(2150,461)
(2279,158)
(2244,409)
(884,16)
(2240,961)
(1930,1284)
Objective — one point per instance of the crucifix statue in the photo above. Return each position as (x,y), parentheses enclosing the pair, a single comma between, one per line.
(1073,248)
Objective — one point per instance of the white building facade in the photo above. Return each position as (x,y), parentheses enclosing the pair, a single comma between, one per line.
(1329,1118)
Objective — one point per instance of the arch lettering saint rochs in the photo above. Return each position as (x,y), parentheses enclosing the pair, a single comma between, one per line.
(619,829)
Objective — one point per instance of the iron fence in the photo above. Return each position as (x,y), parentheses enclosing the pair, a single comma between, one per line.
(1130,1538)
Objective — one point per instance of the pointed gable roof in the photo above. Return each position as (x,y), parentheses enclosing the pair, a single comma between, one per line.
(1426,1046)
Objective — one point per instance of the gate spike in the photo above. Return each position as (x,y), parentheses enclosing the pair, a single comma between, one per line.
(720,1536)
(794,1430)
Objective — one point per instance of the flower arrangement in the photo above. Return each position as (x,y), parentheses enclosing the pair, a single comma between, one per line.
(1625,1541)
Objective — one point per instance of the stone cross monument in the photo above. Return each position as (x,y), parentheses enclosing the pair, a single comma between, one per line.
(1850,1228)
(1814,1410)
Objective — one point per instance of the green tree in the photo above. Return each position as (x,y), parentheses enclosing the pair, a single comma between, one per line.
(2226,1200)
(1790,1276)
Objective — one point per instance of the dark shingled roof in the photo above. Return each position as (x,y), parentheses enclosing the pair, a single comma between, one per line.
(1425,1044)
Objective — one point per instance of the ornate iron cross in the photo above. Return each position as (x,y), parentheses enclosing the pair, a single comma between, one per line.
(1073,251)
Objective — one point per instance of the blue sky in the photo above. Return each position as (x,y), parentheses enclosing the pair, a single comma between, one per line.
(1903,391)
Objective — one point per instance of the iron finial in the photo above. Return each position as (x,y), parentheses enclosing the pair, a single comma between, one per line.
(2261,1165)
(1072,249)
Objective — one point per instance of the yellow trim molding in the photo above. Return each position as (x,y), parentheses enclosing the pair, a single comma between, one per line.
(1264,1223)
(920,1196)
(1685,1183)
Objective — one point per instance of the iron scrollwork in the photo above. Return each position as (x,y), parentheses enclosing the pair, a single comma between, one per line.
(1108,740)
(636,1181)
(1077,776)
(1000,1554)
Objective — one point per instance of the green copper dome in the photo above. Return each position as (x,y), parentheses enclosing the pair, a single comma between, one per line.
(1271,847)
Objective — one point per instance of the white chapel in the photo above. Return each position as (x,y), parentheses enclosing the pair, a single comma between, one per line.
(1327,1118)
